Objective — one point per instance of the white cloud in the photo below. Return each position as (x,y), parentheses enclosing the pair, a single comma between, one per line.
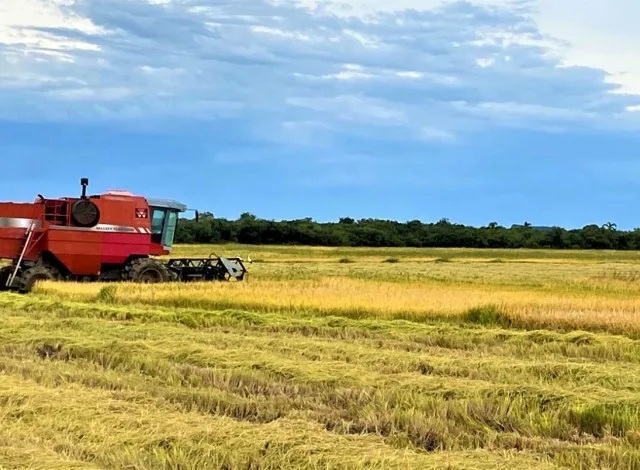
(508,111)
(597,34)
(485,62)
(91,94)
(16,15)
(368,7)
(601,34)
(281,33)
(349,72)
(351,107)
(432,72)
(364,39)
(330,99)
(409,74)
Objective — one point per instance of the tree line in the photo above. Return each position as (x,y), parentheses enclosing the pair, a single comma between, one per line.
(249,229)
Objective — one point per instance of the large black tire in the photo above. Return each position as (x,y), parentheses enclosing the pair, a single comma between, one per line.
(147,271)
(5,274)
(26,279)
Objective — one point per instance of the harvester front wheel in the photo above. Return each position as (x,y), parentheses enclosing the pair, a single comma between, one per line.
(146,271)
(25,280)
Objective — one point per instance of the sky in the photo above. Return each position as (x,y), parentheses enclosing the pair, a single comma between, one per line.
(477,111)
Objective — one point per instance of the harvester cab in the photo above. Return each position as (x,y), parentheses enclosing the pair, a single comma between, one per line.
(115,236)
(164,221)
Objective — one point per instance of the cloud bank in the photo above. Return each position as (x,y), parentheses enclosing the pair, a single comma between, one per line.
(422,71)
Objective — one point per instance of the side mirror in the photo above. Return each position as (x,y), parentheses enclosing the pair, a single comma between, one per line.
(196,212)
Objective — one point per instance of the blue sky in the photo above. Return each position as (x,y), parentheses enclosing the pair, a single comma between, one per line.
(476,111)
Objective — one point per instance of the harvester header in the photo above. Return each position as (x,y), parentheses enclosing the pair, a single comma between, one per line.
(115,236)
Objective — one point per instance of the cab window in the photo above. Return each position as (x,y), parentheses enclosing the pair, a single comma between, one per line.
(157,224)
(169,234)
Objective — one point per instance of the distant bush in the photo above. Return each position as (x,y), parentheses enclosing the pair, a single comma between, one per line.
(249,229)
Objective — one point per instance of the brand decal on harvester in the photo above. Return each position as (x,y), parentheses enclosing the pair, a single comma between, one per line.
(104,228)
(142,213)
(17,222)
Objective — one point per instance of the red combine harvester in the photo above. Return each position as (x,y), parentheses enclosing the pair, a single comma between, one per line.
(107,237)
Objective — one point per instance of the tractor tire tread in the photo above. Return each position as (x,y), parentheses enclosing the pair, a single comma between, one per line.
(27,278)
(134,270)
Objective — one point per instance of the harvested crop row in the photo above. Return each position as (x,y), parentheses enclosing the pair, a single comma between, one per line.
(432,399)
(465,364)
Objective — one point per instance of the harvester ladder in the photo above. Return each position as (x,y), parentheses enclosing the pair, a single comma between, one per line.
(29,235)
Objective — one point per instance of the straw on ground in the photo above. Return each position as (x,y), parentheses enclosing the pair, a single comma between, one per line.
(436,359)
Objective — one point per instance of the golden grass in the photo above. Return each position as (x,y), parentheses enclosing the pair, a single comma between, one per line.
(453,359)
(271,253)
(261,391)
(530,300)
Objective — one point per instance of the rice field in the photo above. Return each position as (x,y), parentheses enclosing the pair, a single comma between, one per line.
(332,358)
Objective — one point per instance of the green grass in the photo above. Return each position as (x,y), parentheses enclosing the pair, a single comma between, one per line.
(91,382)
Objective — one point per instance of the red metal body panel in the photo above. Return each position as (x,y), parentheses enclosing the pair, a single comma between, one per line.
(117,247)
(124,230)
(14,220)
(79,251)
(23,210)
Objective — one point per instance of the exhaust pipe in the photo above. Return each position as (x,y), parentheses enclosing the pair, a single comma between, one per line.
(84,182)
